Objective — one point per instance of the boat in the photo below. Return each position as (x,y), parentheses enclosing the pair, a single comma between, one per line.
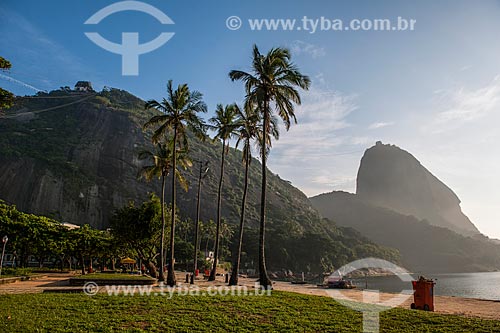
(339,283)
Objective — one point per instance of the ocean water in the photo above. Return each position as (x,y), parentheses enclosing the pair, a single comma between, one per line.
(469,285)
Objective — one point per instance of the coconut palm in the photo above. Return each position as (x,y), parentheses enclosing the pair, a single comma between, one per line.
(203,173)
(271,87)
(247,131)
(179,113)
(224,123)
(160,167)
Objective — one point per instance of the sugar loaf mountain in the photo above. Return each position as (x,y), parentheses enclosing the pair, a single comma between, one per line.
(399,203)
(72,154)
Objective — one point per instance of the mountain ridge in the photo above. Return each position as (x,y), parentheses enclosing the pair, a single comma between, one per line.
(425,245)
(391,177)
(77,161)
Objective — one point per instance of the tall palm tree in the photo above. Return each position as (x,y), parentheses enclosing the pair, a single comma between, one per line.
(271,86)
(203,173)
(247,131)
(161,164)
(179,113)
(224,123)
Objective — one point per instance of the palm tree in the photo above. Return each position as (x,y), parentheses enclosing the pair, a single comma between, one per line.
(247,131)
(224,122)
(271,87)
(160,167)
(203,173)
(179,113)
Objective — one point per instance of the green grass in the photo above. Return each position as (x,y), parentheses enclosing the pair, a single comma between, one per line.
(277,313)
(111,276)
(14,272)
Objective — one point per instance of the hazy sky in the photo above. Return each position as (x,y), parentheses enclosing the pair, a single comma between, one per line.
(434,91)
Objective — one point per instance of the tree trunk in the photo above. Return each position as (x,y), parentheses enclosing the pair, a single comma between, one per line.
(196,225)
(162,245)
(264,280)
(213,273)
(171,281)
(233,281)
(152,268)
(83,265)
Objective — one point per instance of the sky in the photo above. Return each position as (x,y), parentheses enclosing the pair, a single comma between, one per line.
(433,91)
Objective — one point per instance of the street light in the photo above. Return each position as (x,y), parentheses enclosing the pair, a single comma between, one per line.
(203,173)
(4,241)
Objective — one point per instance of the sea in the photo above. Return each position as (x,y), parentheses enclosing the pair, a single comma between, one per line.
(485,285)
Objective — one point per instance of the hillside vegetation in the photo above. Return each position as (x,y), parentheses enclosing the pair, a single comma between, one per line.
(73,157)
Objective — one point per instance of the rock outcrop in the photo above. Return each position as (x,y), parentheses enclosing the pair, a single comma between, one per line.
(393,178)
(400,204)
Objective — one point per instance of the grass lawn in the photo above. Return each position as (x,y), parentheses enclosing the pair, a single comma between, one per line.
(14,272)
(111,276)
(277,313)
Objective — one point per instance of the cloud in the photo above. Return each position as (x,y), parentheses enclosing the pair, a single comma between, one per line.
(461,105)
(39,59)
(380,125)
(317,154)
(299,47)
(321,114)
(24,84)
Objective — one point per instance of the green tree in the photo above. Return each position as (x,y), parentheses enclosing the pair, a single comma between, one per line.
(139,228)
(6,97)
(208,232)
(271,87)
(87,244)
(247,131)
(179,113)
(161,163)
(224,122)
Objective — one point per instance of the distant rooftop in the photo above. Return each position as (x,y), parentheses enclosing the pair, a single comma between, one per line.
(84,86)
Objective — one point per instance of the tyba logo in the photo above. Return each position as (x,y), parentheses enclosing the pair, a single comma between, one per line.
(130,49)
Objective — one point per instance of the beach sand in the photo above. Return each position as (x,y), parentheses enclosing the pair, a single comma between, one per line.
(468,307)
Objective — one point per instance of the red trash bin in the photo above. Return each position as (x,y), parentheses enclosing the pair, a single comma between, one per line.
(423,294)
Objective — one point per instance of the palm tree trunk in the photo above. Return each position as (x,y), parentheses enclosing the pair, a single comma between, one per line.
(162,245)
(171,281)
(264,280)
(219,201)
(83,264)
(196,226)
(236,266)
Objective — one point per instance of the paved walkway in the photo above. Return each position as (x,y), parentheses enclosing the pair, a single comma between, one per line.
(47,281)
(443,304)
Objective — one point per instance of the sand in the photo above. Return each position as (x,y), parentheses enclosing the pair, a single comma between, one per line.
(469,307)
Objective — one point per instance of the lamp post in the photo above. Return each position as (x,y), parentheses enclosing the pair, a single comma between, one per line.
(4,241)
(203,173)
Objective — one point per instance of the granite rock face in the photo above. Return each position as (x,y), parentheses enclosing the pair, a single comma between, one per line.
(76,161)
(393,178)
(400,204)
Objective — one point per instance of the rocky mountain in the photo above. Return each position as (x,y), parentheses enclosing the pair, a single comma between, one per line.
(72,155)
(393,178)
(401,204)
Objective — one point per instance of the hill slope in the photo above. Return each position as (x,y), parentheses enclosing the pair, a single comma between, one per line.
(393,178)
(423,247)
(402,205)
(73,157)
